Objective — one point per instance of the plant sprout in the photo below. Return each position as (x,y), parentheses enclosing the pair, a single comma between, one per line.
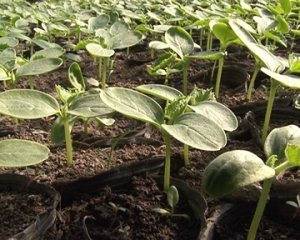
(190,128)
(199,101)
(239,168)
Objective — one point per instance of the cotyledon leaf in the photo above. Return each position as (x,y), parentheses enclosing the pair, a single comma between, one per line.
(21,153)
(218,113)
(39,66)
(89,106)
(133,104)
(27,104)
(161,91)
(98,51)
(197,131)
(287,80)
(233,170)
(48,53)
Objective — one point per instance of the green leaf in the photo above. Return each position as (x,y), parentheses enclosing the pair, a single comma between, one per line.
(39,66)
(207,55)
(179,41)
(173,196)
(98,51)
(159,45)
(224,33)
(48,53)
(6,42)
(294,63)
(105,121)
(133,104)
(21,153)
(45,44)
(278,139)
(233,170)
(290,81)
(286,6)
(197,131)
(161,91)
(4,75)
(282,25)
(261,52)
(58,131)
(125,39)
(89,106)
(292,153)
(176,108)
(8,59)
(75,77)
(218,113)
(100,21)
(27,104)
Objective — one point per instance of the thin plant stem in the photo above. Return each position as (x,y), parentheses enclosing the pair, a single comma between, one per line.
(104,73)
(186,155)
(260,209)
(271,99)
(185,78)
(208,41)
(31,83)
(213,71)
(167,140)
(219,76)
(86,126)
(263,201)
(68,139)
(252,82)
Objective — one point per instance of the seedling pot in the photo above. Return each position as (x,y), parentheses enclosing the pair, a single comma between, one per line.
(24,185)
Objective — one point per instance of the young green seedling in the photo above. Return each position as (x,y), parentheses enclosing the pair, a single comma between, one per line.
(32,104)
(180,41)
(199,101)
(190,128)
(239,168)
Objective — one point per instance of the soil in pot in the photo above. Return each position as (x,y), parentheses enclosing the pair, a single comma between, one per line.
(125,214)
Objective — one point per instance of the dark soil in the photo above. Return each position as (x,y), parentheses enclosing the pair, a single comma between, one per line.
(126,214)
(19,210)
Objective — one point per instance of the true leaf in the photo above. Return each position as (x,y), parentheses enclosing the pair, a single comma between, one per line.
(27,104)
(218,113)
(179,41)
(133,104)
(233,170)
(223,32)
(76,77)
(39,66)
(292,153)
(21,153)
(286,6)
(278,139)
(197,131)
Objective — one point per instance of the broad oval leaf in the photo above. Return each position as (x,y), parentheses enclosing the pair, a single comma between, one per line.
(45,44)
(98,51)
(159,45)
(27,104)
(8,59)
(76,77)
(197,131)
(161,91)
(133,104)
(207,55)
(233,170)
(278,139)
(48,53)
(39,66)
(21,153)
(223,32)
(125,39)
(218,113)
(287,80)
(89,106)
(179,41)
(95,23)
(6,42)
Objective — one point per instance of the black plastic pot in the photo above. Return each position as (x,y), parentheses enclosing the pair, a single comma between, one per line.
(44,221)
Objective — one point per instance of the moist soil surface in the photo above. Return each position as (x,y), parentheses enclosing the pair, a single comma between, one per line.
(134,141)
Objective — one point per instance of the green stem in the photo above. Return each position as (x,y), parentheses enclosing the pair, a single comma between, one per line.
(104,73)
(213,71)
(263,201)
(167,141)
(68,139)
(208,41)
(260,209)
(185,78)
(252,81)
(271,99)
(219,76)
(31,83)
(86,126)
(186,155)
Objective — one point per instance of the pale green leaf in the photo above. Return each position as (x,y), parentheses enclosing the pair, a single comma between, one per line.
(48,53)
(233,170)
(98,51)
(76,77)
